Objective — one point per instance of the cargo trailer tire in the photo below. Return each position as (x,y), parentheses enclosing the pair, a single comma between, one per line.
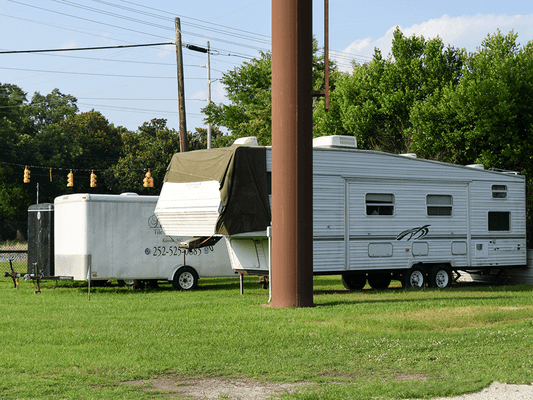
(185,278)
(125,282)
(440,276)
(354,281)
(379,280)
(414,277)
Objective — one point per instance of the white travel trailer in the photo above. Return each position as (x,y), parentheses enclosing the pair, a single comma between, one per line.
(119,237)
(376,216)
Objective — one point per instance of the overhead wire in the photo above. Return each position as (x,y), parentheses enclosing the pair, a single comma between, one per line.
(246,39)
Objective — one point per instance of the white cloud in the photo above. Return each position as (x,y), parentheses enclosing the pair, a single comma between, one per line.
(70,45)
(218,92)
(464,32)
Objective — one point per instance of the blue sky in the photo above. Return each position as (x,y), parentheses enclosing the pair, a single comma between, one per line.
(131,86)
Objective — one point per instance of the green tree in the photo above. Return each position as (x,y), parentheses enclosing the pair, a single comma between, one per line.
(488,117)
(374,103)
(152,147)
(248,89)
(52,108)
(198,139)
(13,196)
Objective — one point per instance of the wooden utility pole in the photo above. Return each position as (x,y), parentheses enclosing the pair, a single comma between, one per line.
(184,145)
(292,152)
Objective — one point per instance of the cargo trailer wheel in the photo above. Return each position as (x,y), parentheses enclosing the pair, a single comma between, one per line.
(354,281)
(185,278)
(440,276)
(379,280)
(414,277)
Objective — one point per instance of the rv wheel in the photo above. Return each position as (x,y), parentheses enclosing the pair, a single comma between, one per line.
(185,278)
(379,280)
(414,277)
(354,281)
(440,276)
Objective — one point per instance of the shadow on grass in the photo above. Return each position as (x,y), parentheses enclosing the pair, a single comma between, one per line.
(112,286)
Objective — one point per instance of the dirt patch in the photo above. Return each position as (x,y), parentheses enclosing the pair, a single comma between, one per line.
(212,388)
(410,377)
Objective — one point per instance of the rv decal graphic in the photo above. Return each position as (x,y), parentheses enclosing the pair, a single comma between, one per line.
(153,222)
(163,251)
(415,233)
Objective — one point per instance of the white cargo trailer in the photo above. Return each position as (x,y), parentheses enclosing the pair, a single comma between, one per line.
(119,237)
(376,216)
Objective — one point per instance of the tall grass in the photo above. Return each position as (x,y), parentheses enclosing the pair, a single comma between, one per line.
(354,345)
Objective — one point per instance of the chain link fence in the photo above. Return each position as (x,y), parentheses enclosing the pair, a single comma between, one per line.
(14,245)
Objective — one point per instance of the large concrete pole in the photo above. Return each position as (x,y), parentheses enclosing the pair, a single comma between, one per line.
(292,191)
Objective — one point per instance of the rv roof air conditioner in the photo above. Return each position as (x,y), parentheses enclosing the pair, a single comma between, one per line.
(477,166)
(335,141)
(247,141)
(412,155)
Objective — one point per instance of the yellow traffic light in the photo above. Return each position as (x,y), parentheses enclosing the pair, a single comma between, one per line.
(26,174)
(148,181)
(70,179)
(93,179)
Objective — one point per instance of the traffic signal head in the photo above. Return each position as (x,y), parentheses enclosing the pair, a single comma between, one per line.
(70,179)
(148,181)
(26,174)
(93,179)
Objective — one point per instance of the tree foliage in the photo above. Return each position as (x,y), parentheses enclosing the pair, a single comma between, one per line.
(248,89)
(375,101)
(151,147)
(488,117)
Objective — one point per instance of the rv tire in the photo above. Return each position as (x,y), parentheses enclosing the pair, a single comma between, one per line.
(354,281)
(185,278)
(414,277)
(440,276)
(379,280)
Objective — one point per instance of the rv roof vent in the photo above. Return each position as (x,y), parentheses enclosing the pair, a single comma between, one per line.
(335,141)
(247,141)
(129,194)
(412,155)
(478,166)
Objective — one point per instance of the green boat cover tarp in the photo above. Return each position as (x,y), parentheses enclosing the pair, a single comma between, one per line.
(244,186)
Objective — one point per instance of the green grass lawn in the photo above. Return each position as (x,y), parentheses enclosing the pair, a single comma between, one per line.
(389,344)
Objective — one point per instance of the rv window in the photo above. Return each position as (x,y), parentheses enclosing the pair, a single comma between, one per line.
(499,221)
(439,205)
(379,204)
(499,191)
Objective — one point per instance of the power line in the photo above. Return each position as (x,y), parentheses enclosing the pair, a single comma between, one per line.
(86,48)
(95,74)
(84,19)
(199,20)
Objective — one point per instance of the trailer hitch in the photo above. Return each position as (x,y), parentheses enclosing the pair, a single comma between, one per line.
(199,242)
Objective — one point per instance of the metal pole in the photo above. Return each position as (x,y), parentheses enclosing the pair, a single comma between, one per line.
(292,169)
(208,96)
(326,52)
(181,89)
